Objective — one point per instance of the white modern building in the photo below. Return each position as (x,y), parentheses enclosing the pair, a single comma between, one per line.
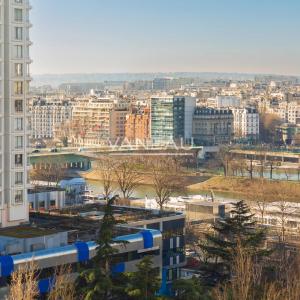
(14,131)
(246,123)
(46,115)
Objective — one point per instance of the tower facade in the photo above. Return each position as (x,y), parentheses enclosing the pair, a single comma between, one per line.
(14,92)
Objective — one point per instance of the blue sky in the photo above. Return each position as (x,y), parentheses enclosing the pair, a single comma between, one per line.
(100,36)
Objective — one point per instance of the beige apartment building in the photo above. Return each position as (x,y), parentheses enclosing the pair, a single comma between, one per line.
(96,121)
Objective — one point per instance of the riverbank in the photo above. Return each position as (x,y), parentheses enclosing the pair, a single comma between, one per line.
(244,188)
(145,178)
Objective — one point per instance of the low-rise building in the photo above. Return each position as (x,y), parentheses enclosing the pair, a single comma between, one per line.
(145,232)
(46,198)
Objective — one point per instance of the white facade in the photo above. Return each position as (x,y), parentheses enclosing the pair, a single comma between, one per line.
(245,122)
(289,112)
(14,131)
(224,102)
(46,115)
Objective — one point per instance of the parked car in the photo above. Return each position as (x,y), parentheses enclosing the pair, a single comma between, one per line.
(53,150)
(36,151)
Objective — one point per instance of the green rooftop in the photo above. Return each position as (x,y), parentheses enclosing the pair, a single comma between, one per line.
(22,232)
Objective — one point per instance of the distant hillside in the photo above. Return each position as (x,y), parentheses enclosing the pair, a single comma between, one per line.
(57,79)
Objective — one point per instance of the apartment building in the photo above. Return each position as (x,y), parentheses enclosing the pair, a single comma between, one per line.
(137,126)
(14,130)
(171,119)
(212,126)
(117,123)
(246,123)
(289,112)
(46,115)
(224,101)
(92,120)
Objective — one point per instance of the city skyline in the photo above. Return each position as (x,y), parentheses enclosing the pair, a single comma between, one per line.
(165,36)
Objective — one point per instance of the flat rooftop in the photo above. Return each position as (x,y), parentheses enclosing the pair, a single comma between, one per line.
(83,222)
(22,232)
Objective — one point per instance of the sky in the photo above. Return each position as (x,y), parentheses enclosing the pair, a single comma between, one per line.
(120,36)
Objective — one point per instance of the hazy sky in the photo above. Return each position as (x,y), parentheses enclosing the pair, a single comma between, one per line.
(89,36)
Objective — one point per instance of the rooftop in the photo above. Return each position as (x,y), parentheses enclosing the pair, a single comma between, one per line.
(22,232)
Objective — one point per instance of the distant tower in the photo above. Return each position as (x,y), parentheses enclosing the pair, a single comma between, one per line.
(14,131)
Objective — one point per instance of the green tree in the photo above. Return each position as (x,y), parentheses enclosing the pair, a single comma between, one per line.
(97,282)
(144,283)
(237,229)
(190,289)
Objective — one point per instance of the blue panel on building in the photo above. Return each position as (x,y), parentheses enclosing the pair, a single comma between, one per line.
(45,285)
(7,265)
(82,251)
(119,268)
(148,239)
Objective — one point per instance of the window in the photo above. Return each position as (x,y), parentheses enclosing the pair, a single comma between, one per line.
(18,15)
(18,142)
(18,88)
(18,49)
(19,105)
(19,124)
(19,69)
(19,33)
(19,178)
(18,197)
(19,160)
(18,1)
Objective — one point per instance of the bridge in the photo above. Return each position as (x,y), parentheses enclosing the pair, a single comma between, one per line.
(283,156)
(81,158)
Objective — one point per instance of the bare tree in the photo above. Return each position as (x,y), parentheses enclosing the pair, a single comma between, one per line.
(284,210)
(250,166)
(246,274)
(51,171)
(64,287)
(127,176)
(24,283)
(260,197)
(166,180)
(242,165)
(106,167)
(225,159)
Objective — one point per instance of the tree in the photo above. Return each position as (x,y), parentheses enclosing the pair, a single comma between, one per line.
(144,283)
(63,287)
(250,166)
(225,159)
(127,177)
(24,283)
(190,289)
(222,245)
(51,171)
(268,124)
(166,180)
(106,167)
(97,282)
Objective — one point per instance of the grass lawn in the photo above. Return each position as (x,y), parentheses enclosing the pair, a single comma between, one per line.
(272,190)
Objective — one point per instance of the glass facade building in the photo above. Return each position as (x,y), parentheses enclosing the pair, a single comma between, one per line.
(171,119)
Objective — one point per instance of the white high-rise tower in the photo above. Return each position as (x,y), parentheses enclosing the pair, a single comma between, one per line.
(14,131)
